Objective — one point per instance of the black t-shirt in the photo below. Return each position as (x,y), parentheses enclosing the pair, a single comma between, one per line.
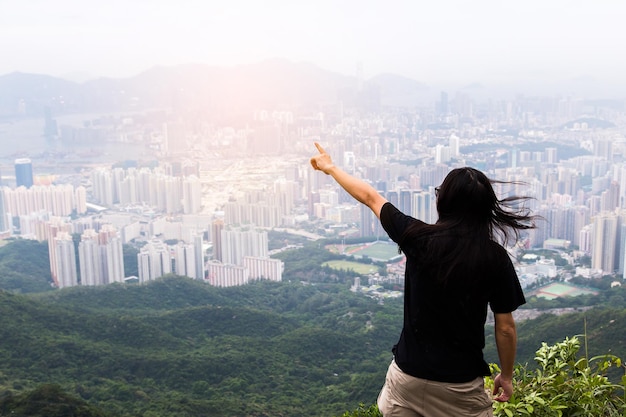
(443,333)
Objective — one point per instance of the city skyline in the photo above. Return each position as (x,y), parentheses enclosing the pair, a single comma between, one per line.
(565,154)
(449,42)
(187,144)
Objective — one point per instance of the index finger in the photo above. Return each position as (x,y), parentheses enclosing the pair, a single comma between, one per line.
(319,148)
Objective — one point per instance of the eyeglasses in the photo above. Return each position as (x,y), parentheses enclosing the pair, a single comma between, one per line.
(436,191)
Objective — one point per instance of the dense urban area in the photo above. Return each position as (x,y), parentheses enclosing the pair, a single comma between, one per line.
(198,199)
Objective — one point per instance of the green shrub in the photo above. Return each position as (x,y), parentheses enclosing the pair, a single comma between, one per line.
(362,411)
(563,385)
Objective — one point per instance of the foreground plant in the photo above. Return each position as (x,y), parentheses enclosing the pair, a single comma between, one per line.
(565,385)
(363,411)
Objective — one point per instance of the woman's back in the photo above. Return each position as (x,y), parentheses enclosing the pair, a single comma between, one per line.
(446,302)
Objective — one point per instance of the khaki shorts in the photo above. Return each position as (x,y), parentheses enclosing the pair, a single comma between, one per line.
(406,396)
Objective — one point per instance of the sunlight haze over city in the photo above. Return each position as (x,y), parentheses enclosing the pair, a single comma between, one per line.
(451,41)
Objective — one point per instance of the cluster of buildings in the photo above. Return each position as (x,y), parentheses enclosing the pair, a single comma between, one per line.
(208,217)
(85,240)
(239,255)
(100,256)
(129,187)
(567,154)
(581,201)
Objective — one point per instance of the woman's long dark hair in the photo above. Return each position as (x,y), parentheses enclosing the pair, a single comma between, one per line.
(470,217)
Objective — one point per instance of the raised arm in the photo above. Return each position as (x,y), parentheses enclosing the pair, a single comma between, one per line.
(506,342)
(360,190)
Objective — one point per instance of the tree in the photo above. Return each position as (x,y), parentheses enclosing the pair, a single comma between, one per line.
(47,400)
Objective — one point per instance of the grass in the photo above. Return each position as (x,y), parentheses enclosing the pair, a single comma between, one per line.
(559,289)
(379,251)
(359,268)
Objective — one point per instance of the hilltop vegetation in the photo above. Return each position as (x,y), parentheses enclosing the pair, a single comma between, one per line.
(179,347)
(563,384)
(47,400)
(25,266)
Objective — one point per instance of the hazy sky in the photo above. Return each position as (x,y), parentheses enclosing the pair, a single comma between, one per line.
(427,40)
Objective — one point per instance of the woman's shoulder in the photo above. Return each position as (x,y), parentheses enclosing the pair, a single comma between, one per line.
(498,253)
(397,224)
(390,211)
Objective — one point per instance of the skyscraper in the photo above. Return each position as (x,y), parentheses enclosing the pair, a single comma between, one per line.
(442,104)
(199,253)
(23,172)
(264,268)
(153,261)
(237,243)
(184,257)
(4,217)
(90,259)
(405,201)
(423,206)
(56,228)
(66,272)
(221,275)
(367,221)
(216,239)
(192,195)
(101,257)
(605,242)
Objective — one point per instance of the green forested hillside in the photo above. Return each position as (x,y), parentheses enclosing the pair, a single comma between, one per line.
(47,400)
(605,329)
(178,347)
(189,349)
(25,266)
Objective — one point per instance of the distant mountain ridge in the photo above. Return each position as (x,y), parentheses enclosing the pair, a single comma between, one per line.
(274,84)
(271,84)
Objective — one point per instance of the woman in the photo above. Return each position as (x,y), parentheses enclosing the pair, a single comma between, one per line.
(455,268)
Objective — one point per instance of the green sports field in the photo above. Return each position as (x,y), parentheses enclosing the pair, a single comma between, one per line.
(378,251)
(348,265)
(559,289)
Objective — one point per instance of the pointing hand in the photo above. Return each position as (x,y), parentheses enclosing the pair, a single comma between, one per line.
(321,162)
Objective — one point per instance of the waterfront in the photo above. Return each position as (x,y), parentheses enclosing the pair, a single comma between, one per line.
(24,138)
